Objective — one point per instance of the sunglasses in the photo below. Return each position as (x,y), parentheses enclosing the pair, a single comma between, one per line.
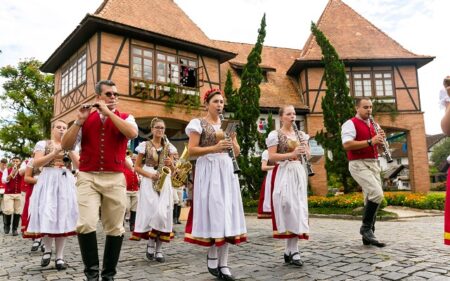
(159,128)
(110,94)
(61,127)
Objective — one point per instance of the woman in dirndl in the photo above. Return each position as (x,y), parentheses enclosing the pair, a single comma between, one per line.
(155,207)
(265,195)
(53,209)
(216,218)
(290,183)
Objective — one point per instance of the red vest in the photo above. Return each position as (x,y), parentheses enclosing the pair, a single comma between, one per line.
(103,146)
(13,186)
(363,132)
(1,183)
(132,180)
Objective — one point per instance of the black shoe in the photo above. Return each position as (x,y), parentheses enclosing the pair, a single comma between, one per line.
(14,232)
(15,224)
(287,259)
(159,259)
(223,276)
(113,245)
(35,246)
(46,261)
(151,255)
(298,262)
(89,255)
(7,223)
(213,271)
(60,266)
(43,248)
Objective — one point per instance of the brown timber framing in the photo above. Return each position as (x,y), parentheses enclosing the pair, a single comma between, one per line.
(418,92)
(206,71)
(307,87)
(92,63)
(407,89)
(119,52)
(318,93)
(99,57)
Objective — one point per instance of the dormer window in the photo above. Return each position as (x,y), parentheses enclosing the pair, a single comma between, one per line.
(74,74)
(239,67)
(372,84)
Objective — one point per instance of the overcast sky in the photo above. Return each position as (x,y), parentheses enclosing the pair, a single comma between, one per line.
(31,28)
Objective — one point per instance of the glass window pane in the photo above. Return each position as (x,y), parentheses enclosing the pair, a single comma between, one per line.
(161,56)
(137,60)
(148,53)
(161,78)
(357,75)
(387,75)
(366,75)
(171,59)
(192,63)
(148,62)
(183,61)
(389,92)
(137,51)
(378,75)
(148,75)
(137,73)
(358,83)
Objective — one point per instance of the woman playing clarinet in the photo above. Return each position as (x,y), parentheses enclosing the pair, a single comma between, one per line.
(290,182)
(217,216)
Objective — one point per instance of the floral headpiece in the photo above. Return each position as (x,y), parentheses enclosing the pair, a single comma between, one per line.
(211,91)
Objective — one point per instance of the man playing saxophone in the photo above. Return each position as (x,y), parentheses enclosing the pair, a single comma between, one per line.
(360,140)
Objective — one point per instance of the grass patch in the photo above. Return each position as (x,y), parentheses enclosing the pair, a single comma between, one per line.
(348,211)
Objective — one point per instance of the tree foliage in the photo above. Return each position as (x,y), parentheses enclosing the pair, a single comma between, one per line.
(337,107)
(244,103)
(440,152)
(28,96)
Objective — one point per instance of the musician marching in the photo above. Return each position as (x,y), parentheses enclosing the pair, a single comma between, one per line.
(155,204)
(12,204)
(290,183)
(361,141)
(216,218)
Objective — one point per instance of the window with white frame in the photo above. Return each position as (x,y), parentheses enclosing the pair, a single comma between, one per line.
(74,74)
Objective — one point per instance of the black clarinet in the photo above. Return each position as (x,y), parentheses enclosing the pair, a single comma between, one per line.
(230,150)
(304,159)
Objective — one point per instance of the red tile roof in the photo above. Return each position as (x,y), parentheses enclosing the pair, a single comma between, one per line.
(279,90)
(353,36)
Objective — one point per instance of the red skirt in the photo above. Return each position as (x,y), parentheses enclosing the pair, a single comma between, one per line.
(276,234)
(25,216)
(261,213)
(447,211)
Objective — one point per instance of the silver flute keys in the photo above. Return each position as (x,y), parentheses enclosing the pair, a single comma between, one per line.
(384,145)
(230,150)
(305,160)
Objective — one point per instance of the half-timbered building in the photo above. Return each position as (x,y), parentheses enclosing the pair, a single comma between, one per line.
(153,51)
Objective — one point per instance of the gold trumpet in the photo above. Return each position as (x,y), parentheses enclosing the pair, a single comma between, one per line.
(96,105)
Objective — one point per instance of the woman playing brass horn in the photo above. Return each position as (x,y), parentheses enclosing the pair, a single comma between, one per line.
(155,204)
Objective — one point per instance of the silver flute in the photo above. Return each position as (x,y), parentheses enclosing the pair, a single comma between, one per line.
(303,155)
(384,145)
(230,150)
(90,105)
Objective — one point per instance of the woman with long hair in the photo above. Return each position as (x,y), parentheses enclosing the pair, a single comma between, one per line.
(290,183)
(53,209)
(216,218)
(155,207)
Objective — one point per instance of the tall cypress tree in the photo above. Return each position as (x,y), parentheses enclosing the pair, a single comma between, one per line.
(337,107)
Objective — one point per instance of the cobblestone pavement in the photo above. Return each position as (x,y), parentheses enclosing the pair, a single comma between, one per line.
(334,252)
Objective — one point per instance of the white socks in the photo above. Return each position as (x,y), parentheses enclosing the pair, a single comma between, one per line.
(59,245)
(151,246)
(212,254)
(292,247)
(158,248)
(223,259)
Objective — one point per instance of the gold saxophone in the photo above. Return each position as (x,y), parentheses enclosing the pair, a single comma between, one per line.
(182,169)
(162,170)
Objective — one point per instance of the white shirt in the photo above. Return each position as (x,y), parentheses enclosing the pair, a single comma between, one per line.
(348,130)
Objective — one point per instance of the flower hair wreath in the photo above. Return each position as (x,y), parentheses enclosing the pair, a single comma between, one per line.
(211,91)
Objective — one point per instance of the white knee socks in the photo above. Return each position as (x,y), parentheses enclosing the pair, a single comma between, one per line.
(212,257)
(158,248)
(59,245)
(223,259)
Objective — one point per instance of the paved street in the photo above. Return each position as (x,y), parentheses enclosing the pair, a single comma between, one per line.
(334,252)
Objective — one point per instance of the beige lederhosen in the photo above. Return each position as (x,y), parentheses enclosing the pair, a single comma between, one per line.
(366,173)
(132,199)
(12,204)
(106,191)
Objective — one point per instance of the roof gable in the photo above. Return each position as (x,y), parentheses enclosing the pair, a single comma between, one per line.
(161,16)
(353,36)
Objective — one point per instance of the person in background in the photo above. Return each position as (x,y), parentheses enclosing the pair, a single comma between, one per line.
(444,99)
(12,197)
(3,164)
(265,196)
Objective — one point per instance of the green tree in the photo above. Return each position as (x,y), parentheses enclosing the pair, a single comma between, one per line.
(28,96)
(231,94)
(440,152)
(337,107)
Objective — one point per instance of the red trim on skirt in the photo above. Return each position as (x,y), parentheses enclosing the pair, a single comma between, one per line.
(447,211)
(53,235)
(276,234)
(153,234)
